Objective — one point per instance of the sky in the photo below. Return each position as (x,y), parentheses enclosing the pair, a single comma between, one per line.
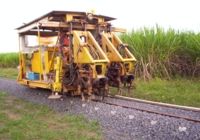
(131,14)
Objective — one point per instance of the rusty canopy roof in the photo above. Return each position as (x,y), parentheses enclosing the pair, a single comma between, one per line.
(60,14)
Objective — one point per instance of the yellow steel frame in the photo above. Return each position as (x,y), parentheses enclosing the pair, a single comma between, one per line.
(81,50)
(57,85)
(35,83)
(82,54)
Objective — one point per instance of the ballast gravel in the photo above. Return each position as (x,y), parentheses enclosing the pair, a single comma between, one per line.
(117,123)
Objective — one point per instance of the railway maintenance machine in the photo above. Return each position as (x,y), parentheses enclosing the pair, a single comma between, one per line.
(74,52)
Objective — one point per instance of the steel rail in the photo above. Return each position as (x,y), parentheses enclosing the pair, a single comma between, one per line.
(187,108)
(149,111)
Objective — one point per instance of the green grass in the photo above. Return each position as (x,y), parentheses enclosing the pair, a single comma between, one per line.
(9,73)
(21,120)
(9,59)
(179,91)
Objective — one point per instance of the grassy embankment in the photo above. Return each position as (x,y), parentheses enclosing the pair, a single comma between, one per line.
(177,91)
(8,65)
(9,73)
(21,120)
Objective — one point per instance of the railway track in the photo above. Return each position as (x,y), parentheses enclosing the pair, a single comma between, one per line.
(187,108)
(106,101)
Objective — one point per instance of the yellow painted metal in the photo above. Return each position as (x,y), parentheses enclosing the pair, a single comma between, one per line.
(104,69)
(85,46)
(47,60)
(48,41)
(40,54)
(110,45)
(82,48)
(109,49)
(21,67)
(117,42)
(98,48)
(57,85)
(100,20)
(81,54)
(69,18)
(35,83)
(51,57)
(36,60)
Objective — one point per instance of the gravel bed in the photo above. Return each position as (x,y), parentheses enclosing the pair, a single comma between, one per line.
(150,107)
(117,123)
